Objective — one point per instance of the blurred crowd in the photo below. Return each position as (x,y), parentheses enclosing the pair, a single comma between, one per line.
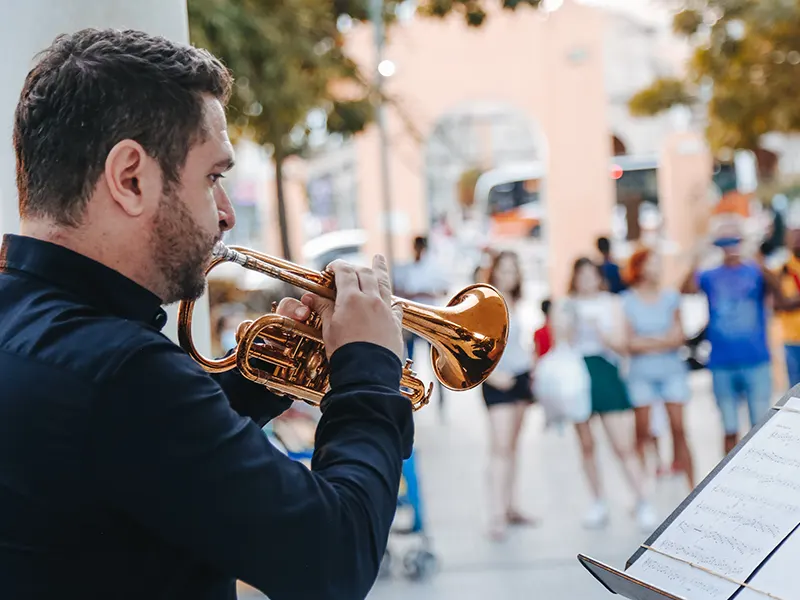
(624,326)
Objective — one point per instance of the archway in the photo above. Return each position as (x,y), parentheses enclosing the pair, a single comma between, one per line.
(475,137)
(484,177)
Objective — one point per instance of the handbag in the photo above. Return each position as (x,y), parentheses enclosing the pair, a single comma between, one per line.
(562,386)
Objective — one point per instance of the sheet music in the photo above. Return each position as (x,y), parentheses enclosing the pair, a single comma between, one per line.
(734,523)
(778,575)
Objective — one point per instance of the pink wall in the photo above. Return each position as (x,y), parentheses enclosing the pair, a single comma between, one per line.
(684,181)
(522,59)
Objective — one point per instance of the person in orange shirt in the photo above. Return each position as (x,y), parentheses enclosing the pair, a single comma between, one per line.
(790,319)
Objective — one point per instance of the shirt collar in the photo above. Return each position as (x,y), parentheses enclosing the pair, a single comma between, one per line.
(92,281)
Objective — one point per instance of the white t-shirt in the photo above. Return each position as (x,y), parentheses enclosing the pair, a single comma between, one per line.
(517,357)
(593,313)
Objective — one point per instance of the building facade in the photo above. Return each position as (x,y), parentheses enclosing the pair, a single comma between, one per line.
(528,86)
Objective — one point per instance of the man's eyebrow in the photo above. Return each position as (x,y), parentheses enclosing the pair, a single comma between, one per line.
(226,164)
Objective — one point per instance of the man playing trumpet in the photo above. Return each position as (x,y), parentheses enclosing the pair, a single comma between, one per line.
(124,465)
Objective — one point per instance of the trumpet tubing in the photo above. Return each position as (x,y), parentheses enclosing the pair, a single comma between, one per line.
(467,337)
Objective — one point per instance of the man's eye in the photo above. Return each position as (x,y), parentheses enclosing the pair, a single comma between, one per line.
(215,177)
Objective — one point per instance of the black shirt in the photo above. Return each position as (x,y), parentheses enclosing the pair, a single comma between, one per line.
(126,471)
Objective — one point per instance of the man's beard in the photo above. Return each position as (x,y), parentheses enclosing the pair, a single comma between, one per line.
(181,250)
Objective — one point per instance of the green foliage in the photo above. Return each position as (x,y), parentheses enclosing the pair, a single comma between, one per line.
(746,59)
(473,11)
(687,22)
(662,95)
(285,54)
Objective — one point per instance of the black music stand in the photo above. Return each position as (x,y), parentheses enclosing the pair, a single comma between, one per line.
(618,582)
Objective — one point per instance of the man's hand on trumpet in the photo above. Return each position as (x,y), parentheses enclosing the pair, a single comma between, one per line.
(362,311)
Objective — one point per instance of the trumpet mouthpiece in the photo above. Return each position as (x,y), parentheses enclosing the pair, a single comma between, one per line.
(228,254)
(220,250)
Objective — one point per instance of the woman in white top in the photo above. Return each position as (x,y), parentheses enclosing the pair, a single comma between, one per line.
(507,393)
(598,334)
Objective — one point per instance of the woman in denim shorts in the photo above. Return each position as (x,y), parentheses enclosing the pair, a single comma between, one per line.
(656,371)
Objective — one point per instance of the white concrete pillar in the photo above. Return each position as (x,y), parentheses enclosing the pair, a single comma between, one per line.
(30,26)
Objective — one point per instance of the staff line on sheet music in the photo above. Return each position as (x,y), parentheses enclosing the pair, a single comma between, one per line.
(710,572)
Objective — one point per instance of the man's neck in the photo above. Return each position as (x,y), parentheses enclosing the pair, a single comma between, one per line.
(82,242)
(59,235)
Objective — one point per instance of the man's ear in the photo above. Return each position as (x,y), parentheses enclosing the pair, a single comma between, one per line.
(132,177)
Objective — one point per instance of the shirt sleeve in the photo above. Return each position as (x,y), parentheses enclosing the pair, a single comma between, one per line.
(172,454)
(251,399)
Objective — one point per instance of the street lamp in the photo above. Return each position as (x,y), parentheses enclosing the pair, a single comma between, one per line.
(384,68)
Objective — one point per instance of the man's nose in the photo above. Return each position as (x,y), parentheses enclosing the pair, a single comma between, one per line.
(227,214)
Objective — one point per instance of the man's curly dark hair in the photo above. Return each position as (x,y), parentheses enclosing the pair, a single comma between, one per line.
(94,88)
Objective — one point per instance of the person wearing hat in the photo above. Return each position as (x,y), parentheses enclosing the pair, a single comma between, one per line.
(738,291)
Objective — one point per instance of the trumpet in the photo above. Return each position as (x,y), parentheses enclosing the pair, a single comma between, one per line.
(467,337)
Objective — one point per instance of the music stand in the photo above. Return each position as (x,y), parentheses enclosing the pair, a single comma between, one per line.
(624,584)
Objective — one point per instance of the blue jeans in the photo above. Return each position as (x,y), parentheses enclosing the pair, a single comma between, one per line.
(792,363)
(753,383)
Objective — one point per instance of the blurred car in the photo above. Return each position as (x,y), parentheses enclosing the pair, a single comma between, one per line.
(347,244)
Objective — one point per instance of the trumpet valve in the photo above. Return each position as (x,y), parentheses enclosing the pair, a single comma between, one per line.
(407,368)
(314,363)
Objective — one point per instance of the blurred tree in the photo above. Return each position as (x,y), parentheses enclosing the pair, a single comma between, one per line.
(474,11)
(289,63)
(745,69)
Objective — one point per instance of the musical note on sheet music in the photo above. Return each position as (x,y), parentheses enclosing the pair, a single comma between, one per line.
(736,521)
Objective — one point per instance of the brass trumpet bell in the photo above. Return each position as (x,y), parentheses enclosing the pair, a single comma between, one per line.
(467,337)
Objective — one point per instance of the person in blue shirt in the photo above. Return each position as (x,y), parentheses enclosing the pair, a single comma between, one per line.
(737,292)
(611,271)
(128,471)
